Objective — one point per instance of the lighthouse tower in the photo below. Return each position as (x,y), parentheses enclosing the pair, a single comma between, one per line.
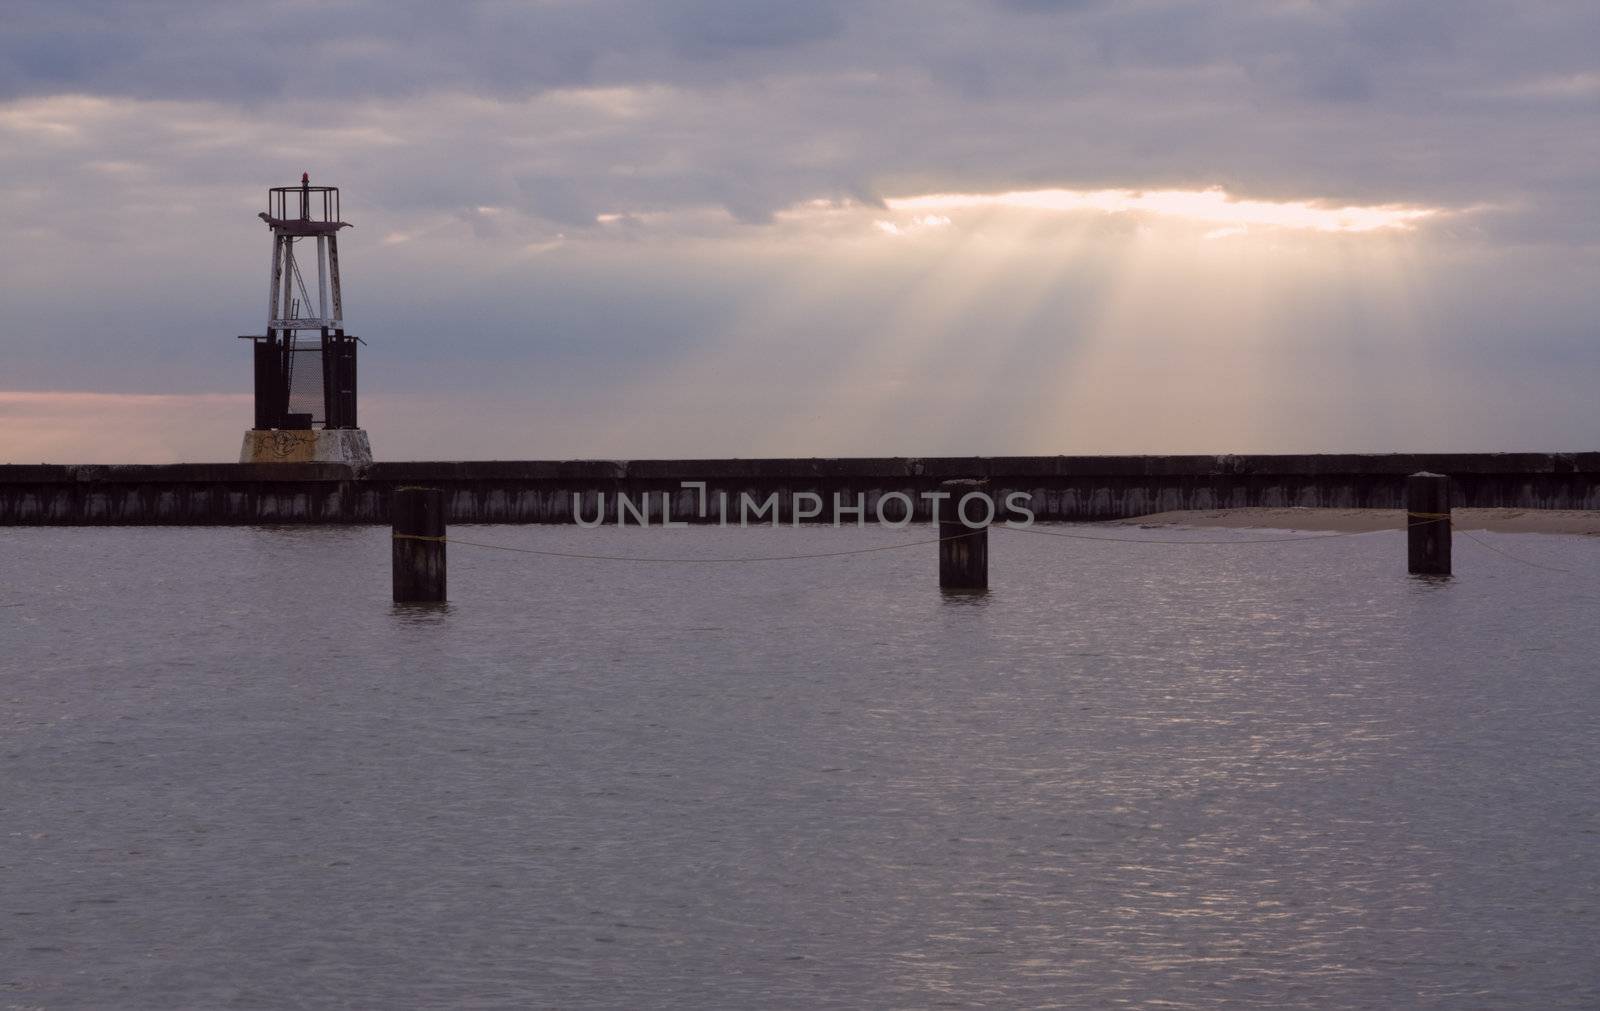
(305,363)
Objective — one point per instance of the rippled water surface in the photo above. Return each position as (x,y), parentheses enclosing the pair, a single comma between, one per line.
(234,775)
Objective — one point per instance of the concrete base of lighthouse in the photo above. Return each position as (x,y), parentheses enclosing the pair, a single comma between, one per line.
(317,445)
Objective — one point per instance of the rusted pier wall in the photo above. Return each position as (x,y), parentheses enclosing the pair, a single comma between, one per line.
(1054,487)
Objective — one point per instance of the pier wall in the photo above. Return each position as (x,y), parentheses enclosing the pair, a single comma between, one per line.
(1054,487)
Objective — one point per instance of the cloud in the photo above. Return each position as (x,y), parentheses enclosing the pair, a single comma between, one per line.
(628,105)
(601,190)
(709,28)
(1211,205)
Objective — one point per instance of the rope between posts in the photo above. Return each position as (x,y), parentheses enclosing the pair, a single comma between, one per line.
(1330,536)
(863,551)
(684,561)
(1423,520)
(1514,558)
(1454,529)
(1446,517)
(1420,519)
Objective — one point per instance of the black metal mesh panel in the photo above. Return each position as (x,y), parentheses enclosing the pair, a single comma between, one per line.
(305,383)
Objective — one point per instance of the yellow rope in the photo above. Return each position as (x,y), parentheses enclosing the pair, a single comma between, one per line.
(687,561)
(1514,558)
(871,550)
(1175,540)
(1328,536)
(1425,518)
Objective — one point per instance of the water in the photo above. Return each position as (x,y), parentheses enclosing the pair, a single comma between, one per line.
(233,775)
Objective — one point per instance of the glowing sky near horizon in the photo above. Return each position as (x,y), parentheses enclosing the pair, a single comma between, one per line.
(1214,206)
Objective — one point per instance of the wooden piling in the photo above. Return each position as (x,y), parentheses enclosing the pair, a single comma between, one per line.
(419,559)
(1428,524)
(964,550)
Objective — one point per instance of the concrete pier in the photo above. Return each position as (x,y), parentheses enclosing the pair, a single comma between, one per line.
(1052,487)
(322,445)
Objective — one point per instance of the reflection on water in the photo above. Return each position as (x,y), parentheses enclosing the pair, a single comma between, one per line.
(423,612)
(964,597)
(235,775)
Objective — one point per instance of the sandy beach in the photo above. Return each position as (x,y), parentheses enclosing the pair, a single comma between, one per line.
(1519,521)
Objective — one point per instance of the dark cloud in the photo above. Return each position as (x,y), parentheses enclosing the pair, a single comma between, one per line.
(708,28)
(1047,6)
(261,51)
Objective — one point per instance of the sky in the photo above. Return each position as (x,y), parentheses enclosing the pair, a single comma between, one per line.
(718,228)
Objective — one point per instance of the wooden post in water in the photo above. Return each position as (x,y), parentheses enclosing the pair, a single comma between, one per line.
(1428,524)
(419,562)
(963,550)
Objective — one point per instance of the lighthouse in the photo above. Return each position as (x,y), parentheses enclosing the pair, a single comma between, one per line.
(305,364)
